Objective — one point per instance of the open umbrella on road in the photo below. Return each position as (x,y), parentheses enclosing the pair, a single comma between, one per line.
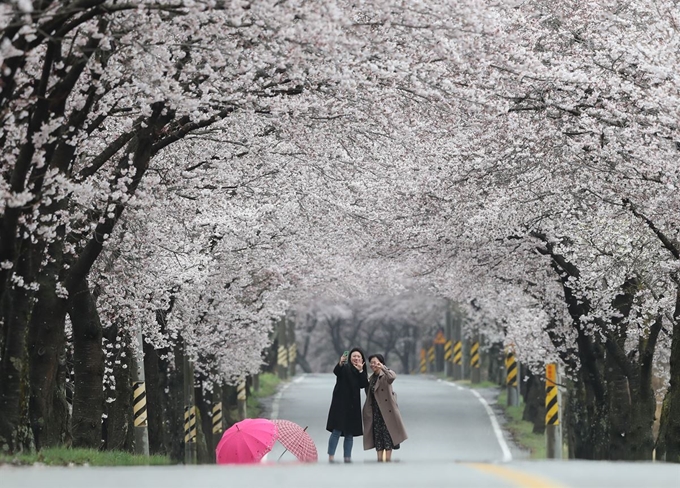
(296,440)
(246,441)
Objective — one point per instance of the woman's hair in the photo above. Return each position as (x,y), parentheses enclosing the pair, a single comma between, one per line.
(379,357)
(360,351)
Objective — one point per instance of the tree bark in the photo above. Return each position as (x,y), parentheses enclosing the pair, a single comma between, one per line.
(118,430)
(534,403)
(155,400)
(302,361)
(16,308)
(672,424)
(660,446)
(49,410)
(205,445)
(629,384)
(172,371)
(88,360)
(229,405)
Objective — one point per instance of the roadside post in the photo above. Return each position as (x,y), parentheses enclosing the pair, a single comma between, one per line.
(475,373)
(458,360)
(552,414)
(217,424)
(511,371)
(190,428)
(292,346)
(139,412)
(448,346)
(448,358)
(439,344)
(282,353)
(458,373)
(241,399)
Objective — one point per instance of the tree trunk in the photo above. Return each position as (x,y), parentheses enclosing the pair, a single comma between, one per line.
(630,396)
(173,377)
(15,308)
(672,424)
(205,447)
(302,361)
(205,405)
(630,416)
(49,410)
(495,364)
(118,424)
(88,360)
(619,398)
(534,403)
(155,401)
(587,425)
(229,405)
(660,447)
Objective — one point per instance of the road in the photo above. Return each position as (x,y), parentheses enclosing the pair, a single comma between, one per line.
(445,422)
(454,441)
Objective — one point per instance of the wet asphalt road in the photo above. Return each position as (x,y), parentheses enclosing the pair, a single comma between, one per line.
(454,441)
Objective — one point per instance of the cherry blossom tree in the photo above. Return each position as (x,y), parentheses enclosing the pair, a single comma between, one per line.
(192,169)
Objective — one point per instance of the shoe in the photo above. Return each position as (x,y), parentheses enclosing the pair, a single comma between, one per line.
(348,460)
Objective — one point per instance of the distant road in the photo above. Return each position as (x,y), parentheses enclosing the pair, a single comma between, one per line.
(444,422)
(453,443)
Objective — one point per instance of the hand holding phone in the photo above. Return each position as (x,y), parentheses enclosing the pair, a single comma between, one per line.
(343,358)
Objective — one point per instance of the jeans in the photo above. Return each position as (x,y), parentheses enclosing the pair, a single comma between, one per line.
(346,445)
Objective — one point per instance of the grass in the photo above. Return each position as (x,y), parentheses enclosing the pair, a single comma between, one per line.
(483,384)
(522,431)
(268,384)
(65,456)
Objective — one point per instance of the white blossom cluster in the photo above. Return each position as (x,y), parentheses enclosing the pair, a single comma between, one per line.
(346,148)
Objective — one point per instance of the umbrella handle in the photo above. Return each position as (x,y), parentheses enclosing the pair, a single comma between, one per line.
(285,449)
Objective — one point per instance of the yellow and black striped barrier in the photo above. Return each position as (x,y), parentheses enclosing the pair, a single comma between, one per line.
(474,355)
(552,409)
(292,353)
(430,355)
(510,368)
(282,357)
(189,424)
(217,418)
(458,353)
(423,362)
(139,404)
(448,353)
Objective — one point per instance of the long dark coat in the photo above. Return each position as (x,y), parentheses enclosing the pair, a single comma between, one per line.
(345,412)
(387,402)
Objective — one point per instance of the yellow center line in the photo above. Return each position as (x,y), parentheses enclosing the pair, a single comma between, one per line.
(518,478)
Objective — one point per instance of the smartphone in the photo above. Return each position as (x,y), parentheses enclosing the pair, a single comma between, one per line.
(346,354)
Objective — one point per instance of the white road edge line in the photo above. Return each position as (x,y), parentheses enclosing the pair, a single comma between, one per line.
(507,456)
(277,397)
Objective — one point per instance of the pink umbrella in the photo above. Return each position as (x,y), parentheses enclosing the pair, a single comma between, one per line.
(296,440)
(246,442)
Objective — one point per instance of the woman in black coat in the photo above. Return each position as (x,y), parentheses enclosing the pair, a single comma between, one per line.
(344,416)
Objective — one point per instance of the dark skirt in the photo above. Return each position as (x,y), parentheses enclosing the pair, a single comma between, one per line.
(381,436)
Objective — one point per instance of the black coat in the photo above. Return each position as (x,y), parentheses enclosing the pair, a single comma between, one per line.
(345,412)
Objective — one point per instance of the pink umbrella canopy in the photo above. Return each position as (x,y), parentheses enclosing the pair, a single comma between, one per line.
(296,440)
(246,442)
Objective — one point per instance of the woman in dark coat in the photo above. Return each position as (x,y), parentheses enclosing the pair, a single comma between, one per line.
(344,416)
